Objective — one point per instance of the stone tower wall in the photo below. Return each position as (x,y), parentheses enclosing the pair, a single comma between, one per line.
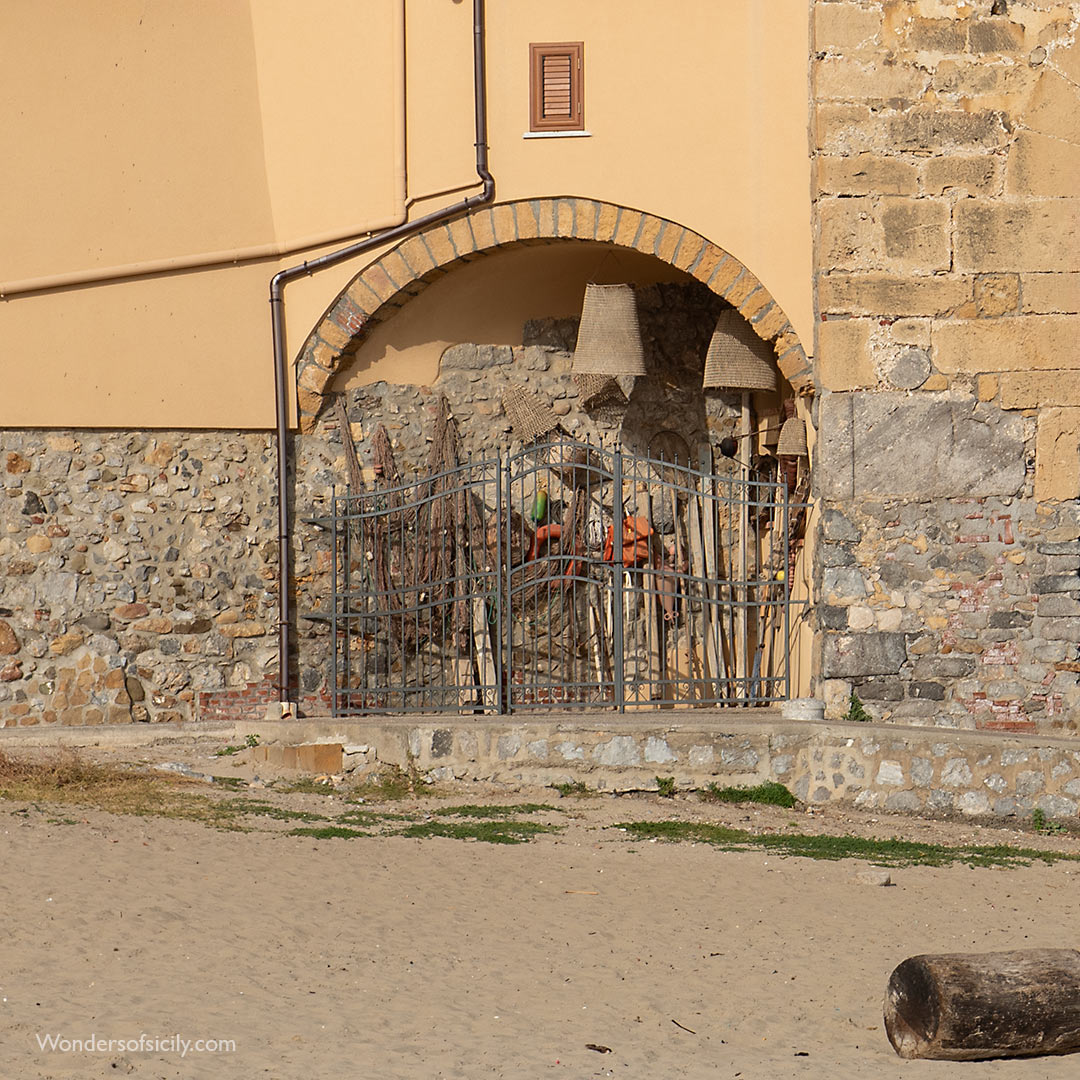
(946,146)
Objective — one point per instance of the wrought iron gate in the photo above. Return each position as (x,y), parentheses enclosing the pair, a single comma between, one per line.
(565,576)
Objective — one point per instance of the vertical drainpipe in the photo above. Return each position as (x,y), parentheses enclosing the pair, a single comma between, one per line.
(277,317)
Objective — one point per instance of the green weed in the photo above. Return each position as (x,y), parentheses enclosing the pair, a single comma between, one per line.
(392,784)
(1041,823)
(265,809)
(856,711)
(665,787)
(574,788)
(770,793)
(247,744)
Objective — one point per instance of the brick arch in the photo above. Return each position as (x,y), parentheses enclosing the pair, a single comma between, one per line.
(387,284)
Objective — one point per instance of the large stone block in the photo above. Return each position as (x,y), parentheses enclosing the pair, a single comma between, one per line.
(916,232)
(931,448)
(848,656)
(1018,237)
(936,35)
(846,79)
(1032,342)
(971,174)
(1034,389)
(1044,294)
(844,354)
(1042,165)
(834,452)
(880,295)
(929,128)
(844,26)
(995,35)
(1054,108)
(866,174)
(850,237)
(846,129)
(1057,455)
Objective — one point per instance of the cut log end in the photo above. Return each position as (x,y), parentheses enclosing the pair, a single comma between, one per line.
(969,1007)
(911,1008)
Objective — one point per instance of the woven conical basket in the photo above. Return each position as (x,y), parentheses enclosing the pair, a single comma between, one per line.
(609,336)
(528,415)
(792,441)
(737,358)
(593,386)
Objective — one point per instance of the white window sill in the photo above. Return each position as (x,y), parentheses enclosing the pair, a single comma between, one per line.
(557,135)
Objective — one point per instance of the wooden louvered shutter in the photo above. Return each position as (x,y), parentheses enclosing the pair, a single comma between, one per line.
(556,78)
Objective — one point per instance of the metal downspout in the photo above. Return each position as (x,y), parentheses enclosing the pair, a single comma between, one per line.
(277,316)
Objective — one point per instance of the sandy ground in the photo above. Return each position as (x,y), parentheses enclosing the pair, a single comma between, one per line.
(389,957)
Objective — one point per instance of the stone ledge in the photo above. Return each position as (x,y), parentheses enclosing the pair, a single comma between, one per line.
(888,767)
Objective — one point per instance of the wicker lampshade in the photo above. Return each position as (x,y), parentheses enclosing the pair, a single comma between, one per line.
(609,337)
(792,439)
(528,415)
(737,358)
(594,386)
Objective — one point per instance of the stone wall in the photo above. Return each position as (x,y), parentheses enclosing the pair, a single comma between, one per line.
(879,767)
(948,285)
(139,570)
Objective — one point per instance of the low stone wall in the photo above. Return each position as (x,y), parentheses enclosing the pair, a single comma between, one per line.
(886,767)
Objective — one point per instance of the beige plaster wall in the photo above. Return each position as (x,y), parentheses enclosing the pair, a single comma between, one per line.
(163,132)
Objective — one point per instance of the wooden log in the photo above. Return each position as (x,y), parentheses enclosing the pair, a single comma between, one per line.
(965,1007)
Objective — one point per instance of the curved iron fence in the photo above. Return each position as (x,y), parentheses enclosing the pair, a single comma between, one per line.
(565,576)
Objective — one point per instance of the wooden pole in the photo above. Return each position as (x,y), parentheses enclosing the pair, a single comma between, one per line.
(959,1007)
(697,555)
(741,645)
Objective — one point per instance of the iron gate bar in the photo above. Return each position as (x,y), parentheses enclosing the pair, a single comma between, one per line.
(465,590)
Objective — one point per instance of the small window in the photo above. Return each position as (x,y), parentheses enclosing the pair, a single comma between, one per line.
(557,87)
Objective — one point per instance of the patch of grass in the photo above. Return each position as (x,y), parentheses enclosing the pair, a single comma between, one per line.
(882,852)
(576,788)
(329,832)
(370,817)
(770,793)
(494,811)
(67,778)
(665,787)
(303,785)
(247,744)
(233,783)
(264,809)
(392,784)
(490,832)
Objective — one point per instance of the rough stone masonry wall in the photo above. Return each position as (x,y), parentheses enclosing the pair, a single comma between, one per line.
(947,151)
(138,570)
